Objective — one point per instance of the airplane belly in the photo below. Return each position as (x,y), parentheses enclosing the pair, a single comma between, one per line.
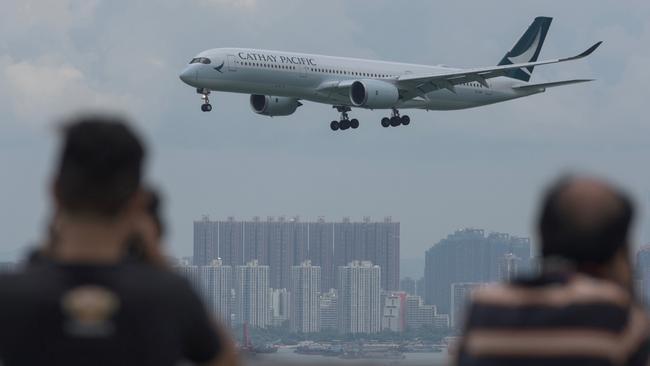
(276,84)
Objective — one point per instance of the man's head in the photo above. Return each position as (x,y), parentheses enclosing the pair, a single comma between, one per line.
(585,221)
(100,167)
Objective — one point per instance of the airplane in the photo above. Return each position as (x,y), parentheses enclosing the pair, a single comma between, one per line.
(279,81)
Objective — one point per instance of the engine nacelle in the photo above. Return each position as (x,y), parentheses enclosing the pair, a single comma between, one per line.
(273,106)
(373,94)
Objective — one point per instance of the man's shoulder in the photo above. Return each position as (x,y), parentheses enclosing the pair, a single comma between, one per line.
(580,317)
(574,290)
(130,276)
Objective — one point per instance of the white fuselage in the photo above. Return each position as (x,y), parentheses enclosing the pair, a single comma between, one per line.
(307,77)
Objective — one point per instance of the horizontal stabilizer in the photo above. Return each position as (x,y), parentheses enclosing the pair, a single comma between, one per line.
(550,85)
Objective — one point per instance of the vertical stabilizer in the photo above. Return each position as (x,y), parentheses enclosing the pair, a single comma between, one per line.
(527,49)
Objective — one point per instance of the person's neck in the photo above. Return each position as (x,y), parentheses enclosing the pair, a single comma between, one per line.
(91,240)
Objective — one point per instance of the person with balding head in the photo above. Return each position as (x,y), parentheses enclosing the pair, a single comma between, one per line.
(581,308)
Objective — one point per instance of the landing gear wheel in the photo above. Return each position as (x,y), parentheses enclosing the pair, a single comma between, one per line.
(385,122)
(405,120)
(344,124)
(395,121)
(206,107)
(354,123)
(334,125)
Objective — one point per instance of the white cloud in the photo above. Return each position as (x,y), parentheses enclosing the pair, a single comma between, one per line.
(40,91)
(56,15)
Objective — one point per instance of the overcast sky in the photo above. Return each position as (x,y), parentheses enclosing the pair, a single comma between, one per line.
(481,168)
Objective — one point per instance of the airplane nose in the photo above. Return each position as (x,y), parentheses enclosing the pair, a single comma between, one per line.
(188,75)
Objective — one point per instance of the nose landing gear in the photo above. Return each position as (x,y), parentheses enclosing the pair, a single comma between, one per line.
(205,106)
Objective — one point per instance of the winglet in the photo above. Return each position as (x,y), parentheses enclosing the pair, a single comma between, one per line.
(586,53)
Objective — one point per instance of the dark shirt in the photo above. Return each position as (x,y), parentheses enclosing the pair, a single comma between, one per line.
(124,314)
(568,319)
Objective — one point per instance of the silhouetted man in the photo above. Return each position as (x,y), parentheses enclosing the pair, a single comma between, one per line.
(580,310)
(85,302)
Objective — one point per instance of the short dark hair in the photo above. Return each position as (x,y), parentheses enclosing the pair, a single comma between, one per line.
(574,231)
(100,165)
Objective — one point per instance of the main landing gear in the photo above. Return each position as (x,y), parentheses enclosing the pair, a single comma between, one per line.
(345,121)
(205,106)
(395,119)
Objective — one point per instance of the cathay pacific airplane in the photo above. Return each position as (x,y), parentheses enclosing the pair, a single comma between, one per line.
(278,81)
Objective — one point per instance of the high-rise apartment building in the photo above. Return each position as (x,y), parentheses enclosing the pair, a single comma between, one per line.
(217,287)
(418,314)
(287,246)
(329,310)
(378,242)
(467,256)
(231,242)
(281,243)
(218,239)
(280,306)
(359,301)
(305,302)
(252,294)
(321,252)
(206,241)
(394,311)
(256,240)
(643,273)
(508,267)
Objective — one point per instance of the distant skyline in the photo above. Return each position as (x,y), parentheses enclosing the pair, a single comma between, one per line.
(482,168)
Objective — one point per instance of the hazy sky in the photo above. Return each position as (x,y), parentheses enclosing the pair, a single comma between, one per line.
(479,168)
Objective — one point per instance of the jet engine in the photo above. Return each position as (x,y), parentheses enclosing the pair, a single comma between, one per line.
(373,94)
(273,106)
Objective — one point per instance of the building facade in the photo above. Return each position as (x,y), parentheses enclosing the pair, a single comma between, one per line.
(305,298)
(359,302)
(252,294)
(643,273)
(231,242)
(508,267)
(287,246)
(418,314)
(256,240)
(280,306)
(378,242)
(206,241)
(394,311)
(217,286)
(329,310)
(321,252)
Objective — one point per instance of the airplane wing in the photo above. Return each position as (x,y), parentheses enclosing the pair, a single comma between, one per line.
(414,85)
(550,85)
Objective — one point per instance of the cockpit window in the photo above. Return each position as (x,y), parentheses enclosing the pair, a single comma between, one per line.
(203,60)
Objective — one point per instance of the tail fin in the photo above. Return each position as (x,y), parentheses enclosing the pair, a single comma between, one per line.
(527,49)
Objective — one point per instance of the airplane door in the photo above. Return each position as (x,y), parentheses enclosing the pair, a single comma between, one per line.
(303,72)
(232,66)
